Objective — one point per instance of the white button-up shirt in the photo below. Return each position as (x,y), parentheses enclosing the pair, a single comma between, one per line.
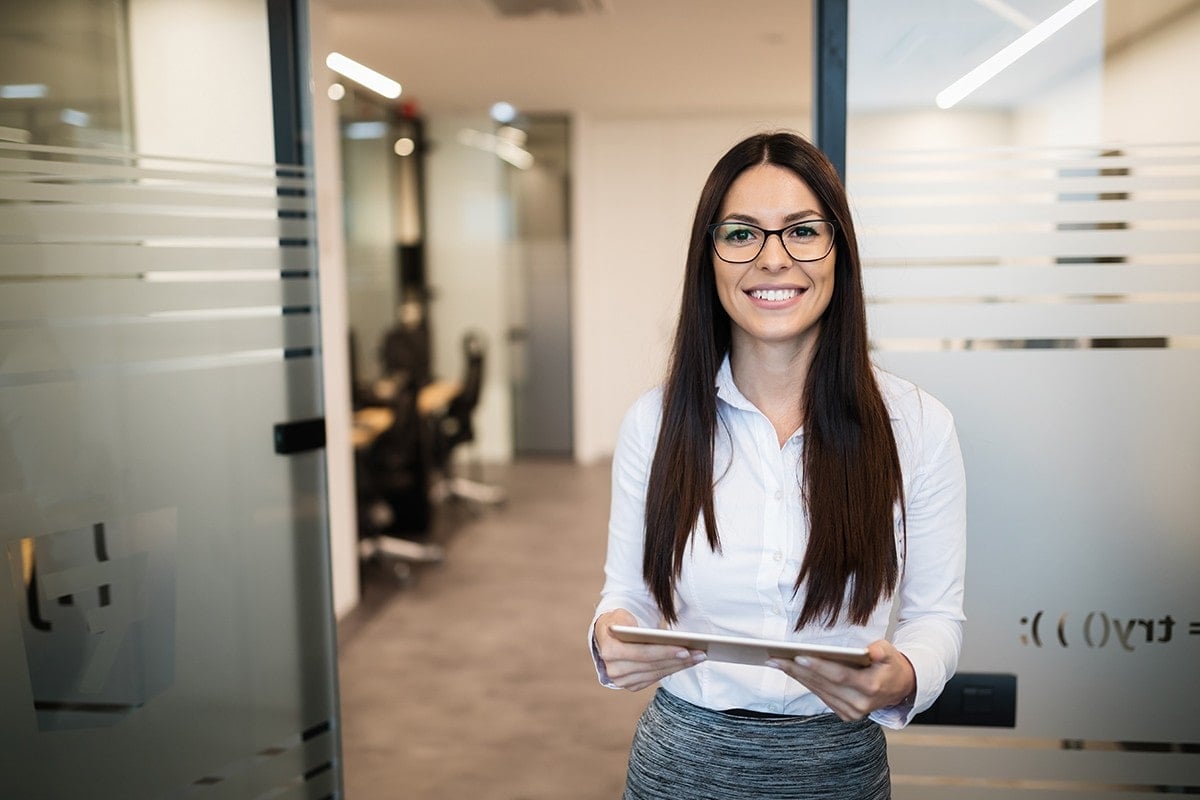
(747,589)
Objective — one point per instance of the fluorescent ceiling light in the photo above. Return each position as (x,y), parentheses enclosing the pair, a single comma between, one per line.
(380,84)
(21,91)
(366,130)
(1003,9)
(989,69)
(73,116)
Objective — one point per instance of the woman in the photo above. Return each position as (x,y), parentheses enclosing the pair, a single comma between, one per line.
(778,486)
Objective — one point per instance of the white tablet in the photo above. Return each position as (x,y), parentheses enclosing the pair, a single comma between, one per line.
(741,649)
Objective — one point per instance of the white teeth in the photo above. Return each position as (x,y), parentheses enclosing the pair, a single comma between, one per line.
(774,294)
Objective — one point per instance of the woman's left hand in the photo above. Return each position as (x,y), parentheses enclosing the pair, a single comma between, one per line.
(854,692)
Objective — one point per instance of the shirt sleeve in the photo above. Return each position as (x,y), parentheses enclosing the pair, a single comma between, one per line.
(930,616)
(623,583)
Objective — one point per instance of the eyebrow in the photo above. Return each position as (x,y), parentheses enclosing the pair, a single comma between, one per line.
(796,216)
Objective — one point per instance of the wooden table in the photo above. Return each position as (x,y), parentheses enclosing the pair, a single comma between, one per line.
(371,421)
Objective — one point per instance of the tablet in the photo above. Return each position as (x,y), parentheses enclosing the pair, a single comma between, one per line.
(741,649)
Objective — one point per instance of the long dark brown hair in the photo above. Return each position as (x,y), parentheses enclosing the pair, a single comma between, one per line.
(851,471)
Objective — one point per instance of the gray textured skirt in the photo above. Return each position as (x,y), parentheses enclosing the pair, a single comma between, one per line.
(685,751)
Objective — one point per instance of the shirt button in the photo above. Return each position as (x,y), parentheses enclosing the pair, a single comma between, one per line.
(778,556)
(776,609)
(779,495)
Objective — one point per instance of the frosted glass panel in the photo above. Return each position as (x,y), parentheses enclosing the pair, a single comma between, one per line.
(165,622)
(1036,265)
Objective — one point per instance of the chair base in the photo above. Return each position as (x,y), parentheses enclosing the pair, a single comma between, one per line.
(466,489)
(401,549)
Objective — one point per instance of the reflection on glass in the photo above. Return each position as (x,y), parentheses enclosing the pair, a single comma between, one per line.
(1030,255)
(165,619)
(63,78)
(381,168)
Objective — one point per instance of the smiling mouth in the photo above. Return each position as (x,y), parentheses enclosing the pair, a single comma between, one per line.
(775,295)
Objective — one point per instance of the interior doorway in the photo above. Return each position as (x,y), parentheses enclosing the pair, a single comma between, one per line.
(539,332)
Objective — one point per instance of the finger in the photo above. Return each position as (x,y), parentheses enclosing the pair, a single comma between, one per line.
(637,660)
(612,648)
(812,672)
(636,666)
(669,665)
(843,698)
(639,677)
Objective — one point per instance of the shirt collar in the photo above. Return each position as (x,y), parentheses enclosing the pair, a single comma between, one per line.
(728,391)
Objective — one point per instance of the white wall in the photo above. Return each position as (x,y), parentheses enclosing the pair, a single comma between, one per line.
(173,63)
(635,175)
(1150,87)
(889,131)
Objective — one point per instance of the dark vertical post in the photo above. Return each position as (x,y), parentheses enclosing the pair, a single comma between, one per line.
(831,28)
(286,71)
(288,41)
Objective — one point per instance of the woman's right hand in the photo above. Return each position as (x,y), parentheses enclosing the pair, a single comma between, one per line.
(636,666)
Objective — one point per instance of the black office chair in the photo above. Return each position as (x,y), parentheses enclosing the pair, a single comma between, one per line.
(455,428)
(394,508)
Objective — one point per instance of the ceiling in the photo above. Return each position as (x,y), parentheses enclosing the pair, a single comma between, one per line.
(631,57)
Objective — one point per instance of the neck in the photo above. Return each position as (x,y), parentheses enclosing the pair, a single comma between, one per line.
(772,377)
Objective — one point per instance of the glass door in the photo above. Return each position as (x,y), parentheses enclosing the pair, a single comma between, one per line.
(1026,176)
(165,615)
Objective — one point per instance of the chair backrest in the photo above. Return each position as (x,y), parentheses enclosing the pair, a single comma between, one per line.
(405,350)
(456,426)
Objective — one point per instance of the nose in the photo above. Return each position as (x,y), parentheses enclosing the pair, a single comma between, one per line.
(774,256)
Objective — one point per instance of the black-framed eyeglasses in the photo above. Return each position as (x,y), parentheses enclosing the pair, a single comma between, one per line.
(741,242)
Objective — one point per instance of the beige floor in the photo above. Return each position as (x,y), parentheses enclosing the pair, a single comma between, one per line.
(473,681)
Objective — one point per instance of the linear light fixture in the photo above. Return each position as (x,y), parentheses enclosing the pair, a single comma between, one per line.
(373,129)
(977,77)
(18,91)
(380,84)
(1002,9)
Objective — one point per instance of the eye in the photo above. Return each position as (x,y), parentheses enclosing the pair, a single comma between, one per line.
(737,234)
(805,231)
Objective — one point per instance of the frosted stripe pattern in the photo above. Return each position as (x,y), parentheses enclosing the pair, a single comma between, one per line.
(167,626)
(984,270)
(1045,247)
(117,261)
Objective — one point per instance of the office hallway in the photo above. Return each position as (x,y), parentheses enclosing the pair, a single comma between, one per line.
(473,681)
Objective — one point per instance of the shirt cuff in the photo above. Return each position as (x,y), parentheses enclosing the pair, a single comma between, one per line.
(894,717)
(597,661)
(931,679)
(601,669)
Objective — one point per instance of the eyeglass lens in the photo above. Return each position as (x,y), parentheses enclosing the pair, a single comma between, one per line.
(739,242)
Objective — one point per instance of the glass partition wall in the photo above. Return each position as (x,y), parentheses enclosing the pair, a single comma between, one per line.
(382,153)
(165,617)
(1026,176)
